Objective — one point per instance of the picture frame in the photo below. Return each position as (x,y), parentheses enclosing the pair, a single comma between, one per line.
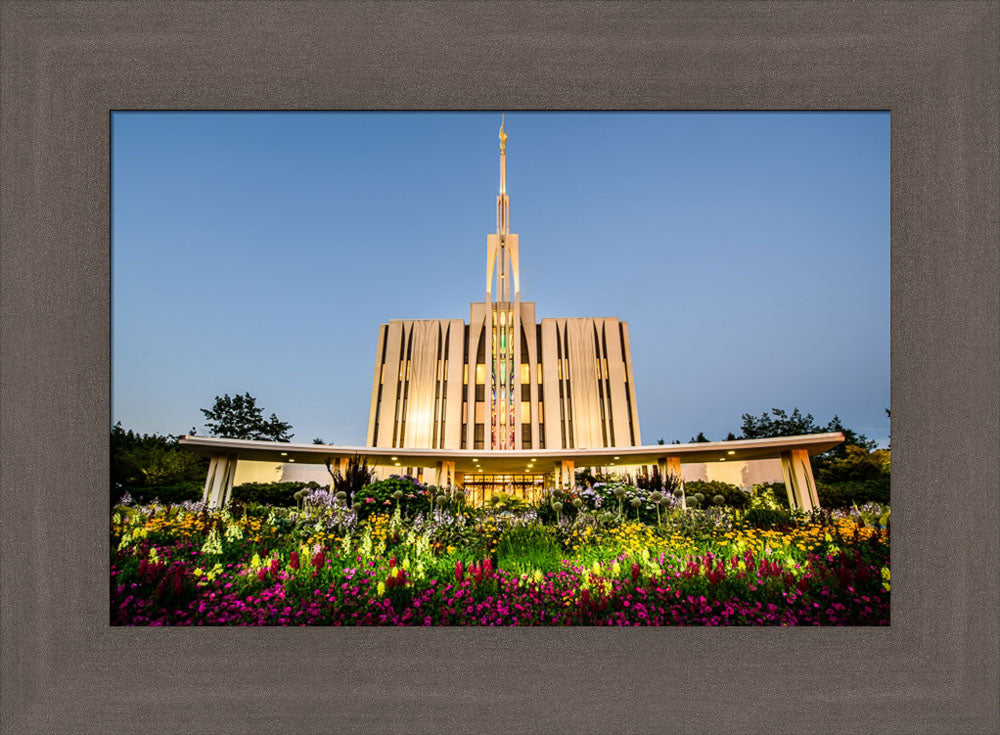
(66,66)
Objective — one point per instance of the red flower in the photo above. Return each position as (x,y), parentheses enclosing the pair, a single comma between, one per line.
(459,572)
(293,560)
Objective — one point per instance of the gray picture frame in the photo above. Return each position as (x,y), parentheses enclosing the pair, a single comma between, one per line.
(65,65)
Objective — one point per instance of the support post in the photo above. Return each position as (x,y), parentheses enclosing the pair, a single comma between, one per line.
(799,482)
(444,472)
(564,473)
(219,482)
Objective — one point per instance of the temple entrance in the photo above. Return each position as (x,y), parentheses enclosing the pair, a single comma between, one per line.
(480,488)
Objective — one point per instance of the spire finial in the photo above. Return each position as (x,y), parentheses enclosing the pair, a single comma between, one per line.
(503,135)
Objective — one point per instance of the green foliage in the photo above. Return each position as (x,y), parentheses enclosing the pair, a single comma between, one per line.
(769,495)
(146,460)
(524,549)
(270,493)
(168,494)
(856,465)
(768,518)
(240,417)
(847,494)
(732,496)
(778,422)
(356,478)
(506,502)
(413,497)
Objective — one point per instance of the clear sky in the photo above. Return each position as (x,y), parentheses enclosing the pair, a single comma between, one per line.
(259,252)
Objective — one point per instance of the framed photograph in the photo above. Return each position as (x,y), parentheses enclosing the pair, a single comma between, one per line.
(930,70)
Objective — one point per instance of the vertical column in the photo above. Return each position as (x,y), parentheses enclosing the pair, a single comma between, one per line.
(213,467)
(787,475)
(564,472)
(219,483)
(444,473)
(799,482)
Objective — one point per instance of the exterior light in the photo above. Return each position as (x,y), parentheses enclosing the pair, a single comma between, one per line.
(397,464)
(291,459)
(480,469)
(474,459)
(722,459)
(284,454)
(731,451)
(617,457)
(394,458)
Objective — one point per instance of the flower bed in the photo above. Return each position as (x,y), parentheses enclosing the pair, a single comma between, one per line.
(185,565)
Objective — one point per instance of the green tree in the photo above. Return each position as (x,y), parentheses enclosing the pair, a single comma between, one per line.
(778,422)
(148,460)
(701,438)
(240,417)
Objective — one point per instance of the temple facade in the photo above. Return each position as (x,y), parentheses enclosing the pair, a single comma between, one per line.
(503,380)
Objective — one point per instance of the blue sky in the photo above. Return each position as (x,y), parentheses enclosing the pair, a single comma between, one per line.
(259,252)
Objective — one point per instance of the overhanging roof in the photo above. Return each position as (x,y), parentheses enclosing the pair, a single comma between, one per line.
(514,461)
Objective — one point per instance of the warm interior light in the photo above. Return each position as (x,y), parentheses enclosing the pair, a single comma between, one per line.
(617,457)
(397,464)
(731,451)
(395,458)
(290,459)
(284,454)
(722,459)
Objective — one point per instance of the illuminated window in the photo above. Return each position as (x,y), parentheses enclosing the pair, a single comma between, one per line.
(539,373)
(465,374)
(541,416)
(480,374)
(480,412)
(525,410)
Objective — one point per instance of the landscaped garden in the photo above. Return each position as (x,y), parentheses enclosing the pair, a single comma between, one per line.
(395,552)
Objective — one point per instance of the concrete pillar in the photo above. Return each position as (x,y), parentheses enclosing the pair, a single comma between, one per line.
(219,482)
(444,473)
(565,473)
(799,482)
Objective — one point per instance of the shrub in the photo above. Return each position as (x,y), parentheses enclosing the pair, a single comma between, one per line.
(732,496)
(381,495)
(767,518)
(846,494)
(167,494)
(271,493)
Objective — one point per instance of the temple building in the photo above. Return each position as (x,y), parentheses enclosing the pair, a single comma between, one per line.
(503,380)
(508,403)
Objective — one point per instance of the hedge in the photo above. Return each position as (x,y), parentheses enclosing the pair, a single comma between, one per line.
(271,493)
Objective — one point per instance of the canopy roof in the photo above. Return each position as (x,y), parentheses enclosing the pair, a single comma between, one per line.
(514,461)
